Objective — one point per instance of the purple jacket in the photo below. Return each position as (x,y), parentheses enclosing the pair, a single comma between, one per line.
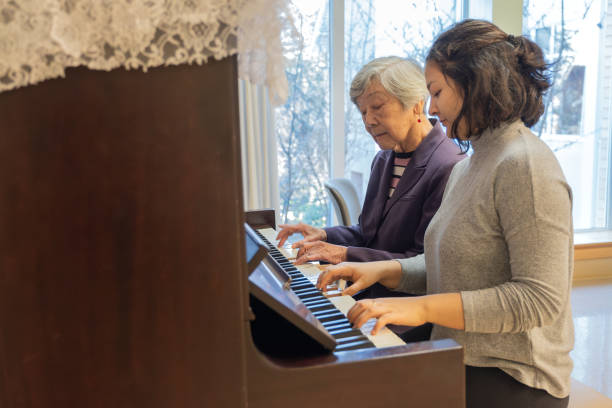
(391,228)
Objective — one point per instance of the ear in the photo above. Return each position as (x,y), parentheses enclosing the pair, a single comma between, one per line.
(417,109)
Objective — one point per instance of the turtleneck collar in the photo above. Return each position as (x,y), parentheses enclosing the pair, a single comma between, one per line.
(492,136)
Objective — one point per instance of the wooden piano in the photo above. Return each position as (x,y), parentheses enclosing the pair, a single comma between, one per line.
(123,276)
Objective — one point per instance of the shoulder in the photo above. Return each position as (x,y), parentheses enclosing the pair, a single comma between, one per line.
(525,167)
(446,151)
(523,152)
(382,156)
(446,155)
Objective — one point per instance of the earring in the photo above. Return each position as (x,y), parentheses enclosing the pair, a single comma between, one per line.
(419,120)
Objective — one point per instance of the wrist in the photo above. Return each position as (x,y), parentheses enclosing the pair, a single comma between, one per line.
(425,308)
(390,273)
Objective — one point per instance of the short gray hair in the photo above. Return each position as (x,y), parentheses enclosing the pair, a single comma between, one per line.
(401,77)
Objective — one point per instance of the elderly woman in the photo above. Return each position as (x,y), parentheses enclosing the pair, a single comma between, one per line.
(408,175)
(498,259)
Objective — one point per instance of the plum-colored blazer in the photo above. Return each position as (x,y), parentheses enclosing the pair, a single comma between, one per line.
(391,228)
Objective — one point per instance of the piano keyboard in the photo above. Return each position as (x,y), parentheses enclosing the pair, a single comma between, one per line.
(328,307)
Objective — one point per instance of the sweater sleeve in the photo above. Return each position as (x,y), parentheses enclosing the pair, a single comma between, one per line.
(533,205)
(414,277)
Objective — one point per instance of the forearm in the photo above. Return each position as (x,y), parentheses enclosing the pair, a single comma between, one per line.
(444,309)
(342,235)
(390,273)
(363,254)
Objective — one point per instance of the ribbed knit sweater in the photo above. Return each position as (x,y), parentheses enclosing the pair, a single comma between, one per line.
(503,238)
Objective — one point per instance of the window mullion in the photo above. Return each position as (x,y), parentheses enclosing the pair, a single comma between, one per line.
(337,88)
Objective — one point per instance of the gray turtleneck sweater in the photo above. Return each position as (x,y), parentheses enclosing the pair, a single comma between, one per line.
(503,238)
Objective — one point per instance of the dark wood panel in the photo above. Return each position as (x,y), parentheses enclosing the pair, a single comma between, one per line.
(263,218)
(121,240)
(426,374)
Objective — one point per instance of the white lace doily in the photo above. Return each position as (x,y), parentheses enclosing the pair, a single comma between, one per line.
(39,39)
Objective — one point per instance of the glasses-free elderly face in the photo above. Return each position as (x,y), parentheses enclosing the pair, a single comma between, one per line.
(387,120)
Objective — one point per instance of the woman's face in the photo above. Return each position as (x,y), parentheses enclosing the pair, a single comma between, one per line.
(386,119)
(446,101)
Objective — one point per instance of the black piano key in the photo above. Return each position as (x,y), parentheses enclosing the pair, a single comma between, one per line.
(308,295)
(321,308)
(326,313)
(313,299)
(299,280)
(329,318)
(338,325)
(334,320)
(356,345)
(307,289)
(315,302)
(350,339)
(300,287)
(338,332)
(354,332)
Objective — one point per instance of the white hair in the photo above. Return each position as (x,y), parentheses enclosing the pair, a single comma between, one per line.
(401,77)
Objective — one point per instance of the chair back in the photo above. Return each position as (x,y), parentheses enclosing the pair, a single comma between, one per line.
(344,197)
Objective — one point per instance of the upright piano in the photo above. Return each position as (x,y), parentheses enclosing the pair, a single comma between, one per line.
(124,279)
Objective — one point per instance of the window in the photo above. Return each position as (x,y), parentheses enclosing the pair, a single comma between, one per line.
(302,124)
(376,29)
(371,29)
(576,121)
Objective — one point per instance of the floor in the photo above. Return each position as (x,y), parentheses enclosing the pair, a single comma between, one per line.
(592,354)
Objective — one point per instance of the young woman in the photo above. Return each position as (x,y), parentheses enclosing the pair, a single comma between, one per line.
(498,261)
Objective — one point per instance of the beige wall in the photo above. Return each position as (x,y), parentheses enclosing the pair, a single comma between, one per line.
(508,15)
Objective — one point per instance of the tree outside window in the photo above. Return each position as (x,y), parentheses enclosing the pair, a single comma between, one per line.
(372,29)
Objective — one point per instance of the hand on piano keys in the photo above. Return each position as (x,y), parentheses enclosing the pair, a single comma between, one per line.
(313,247)
(311,272)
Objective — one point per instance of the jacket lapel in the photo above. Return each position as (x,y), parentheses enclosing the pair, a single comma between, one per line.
(372,213)
(417,165)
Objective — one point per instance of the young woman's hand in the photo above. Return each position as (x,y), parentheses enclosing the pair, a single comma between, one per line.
(404,311)
(362,275)
(444,309)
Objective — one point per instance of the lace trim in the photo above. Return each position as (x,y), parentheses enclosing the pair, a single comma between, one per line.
(39,39)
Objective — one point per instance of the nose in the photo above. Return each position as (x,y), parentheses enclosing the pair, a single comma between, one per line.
(433,109)
(369,120)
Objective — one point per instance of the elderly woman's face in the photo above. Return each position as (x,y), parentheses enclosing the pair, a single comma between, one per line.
(384,117)
(445,102)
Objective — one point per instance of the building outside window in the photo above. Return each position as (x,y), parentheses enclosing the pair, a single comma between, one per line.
(576,121)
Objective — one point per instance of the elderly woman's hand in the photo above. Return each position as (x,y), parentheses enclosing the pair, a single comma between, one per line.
(321,251)
(362,275)
(309,233)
